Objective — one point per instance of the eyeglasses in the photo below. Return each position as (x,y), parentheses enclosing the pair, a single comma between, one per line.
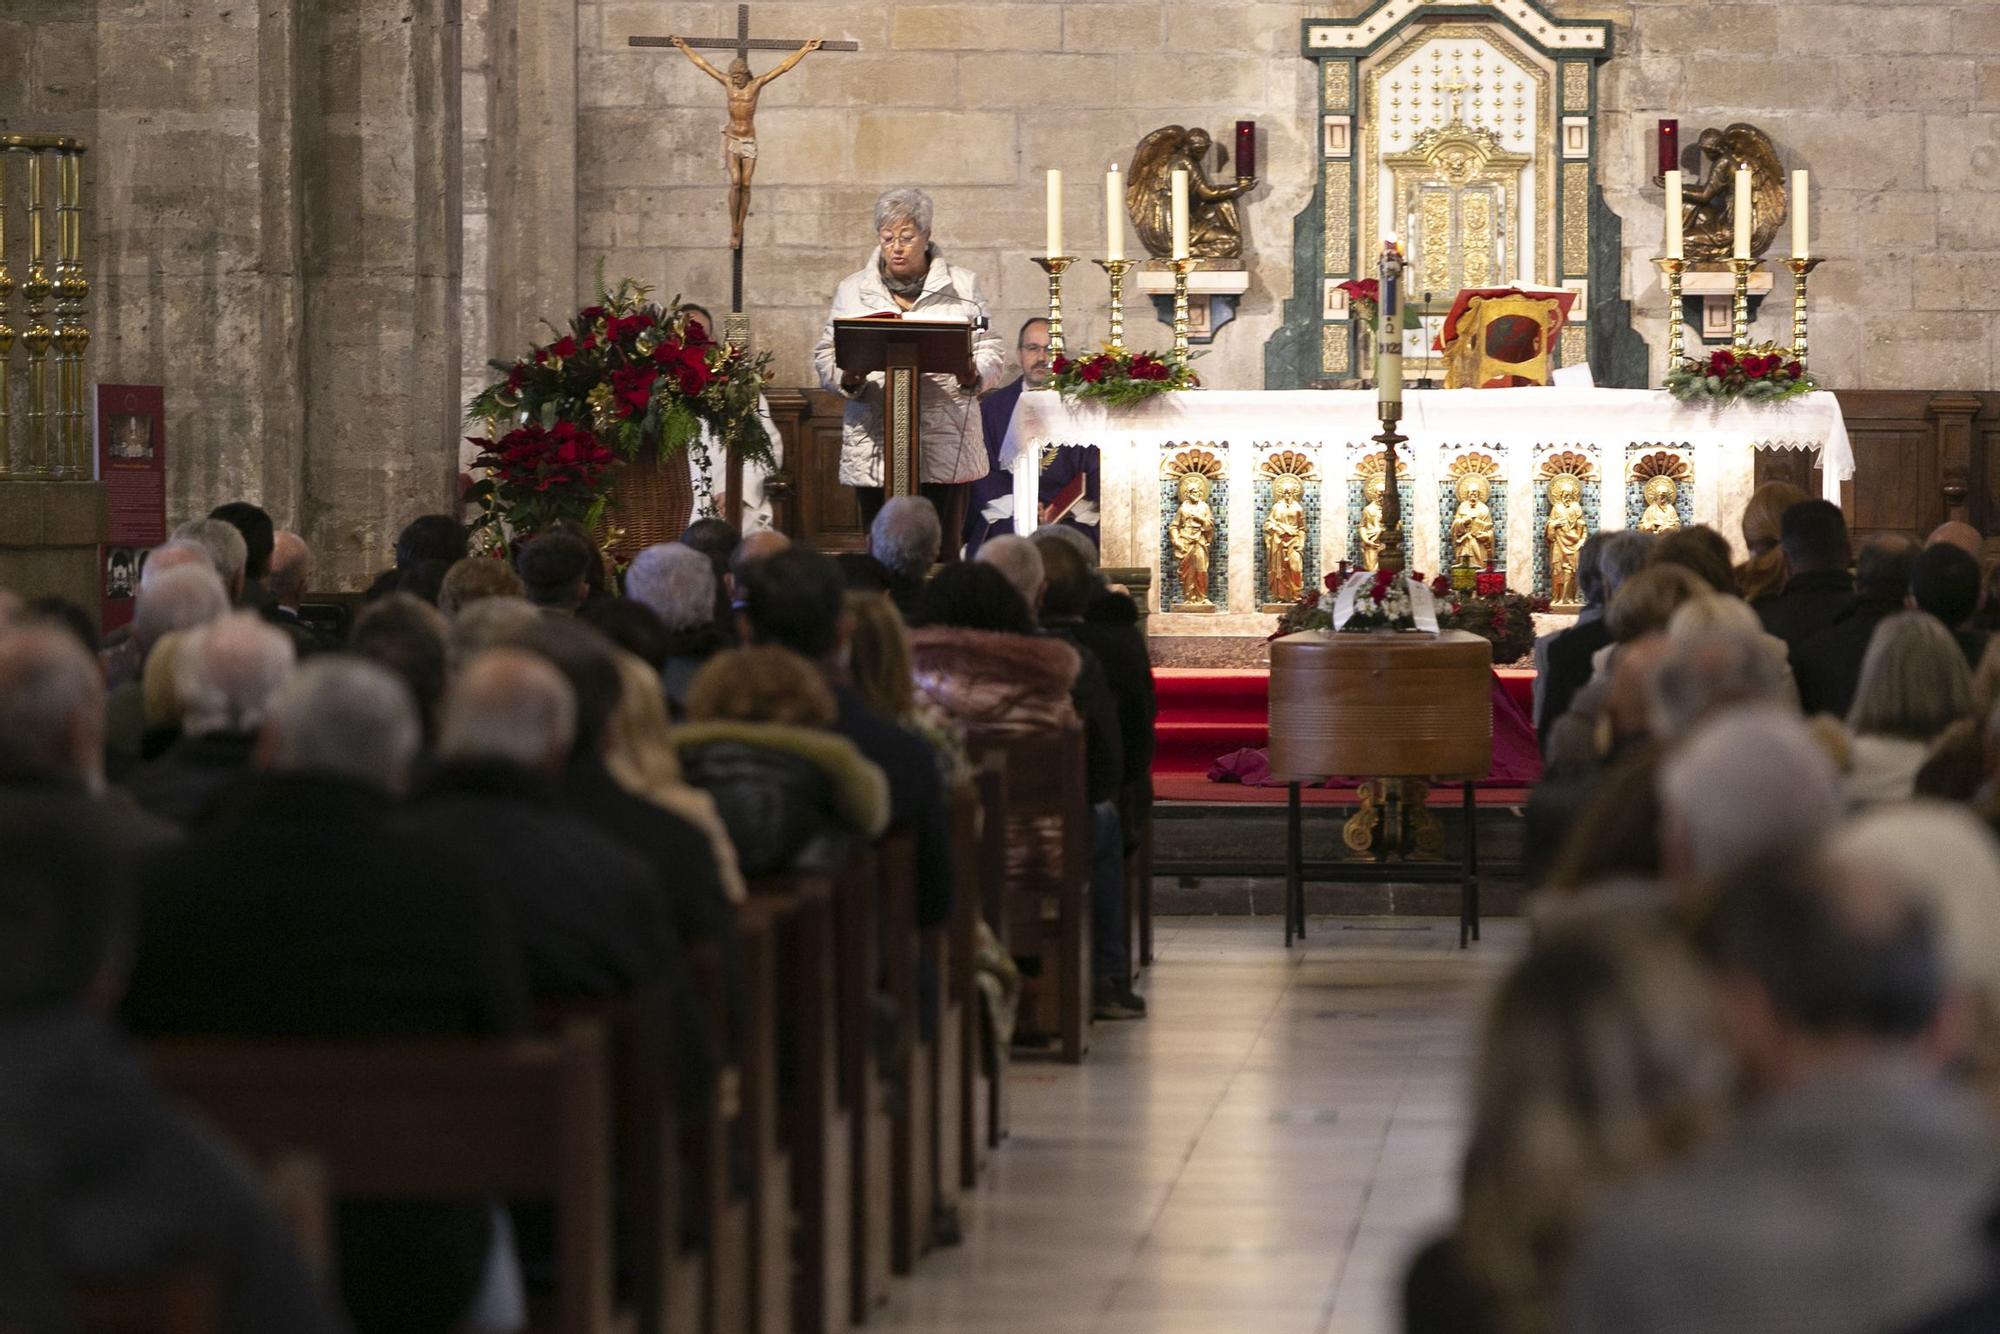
(906,237)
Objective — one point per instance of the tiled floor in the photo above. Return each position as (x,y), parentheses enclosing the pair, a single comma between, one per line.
(1260,1155)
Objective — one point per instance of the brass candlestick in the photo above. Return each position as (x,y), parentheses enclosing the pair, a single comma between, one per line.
(6,337)
(1053,265)
(1392,499)
(1182,268)
(72,289)
(1117,269)
(36,339)
(1801,267)
(1673,269)
(1740,322)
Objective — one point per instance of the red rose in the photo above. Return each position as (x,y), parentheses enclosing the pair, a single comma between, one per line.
(1795,369)
(564,348)
(633,388)
(1721,362)
(591,313)
(517,377)
(1093,371)
(1332,581)
(1379,593)
(620,327)
(696,336)
(1060,366)
(1383,578)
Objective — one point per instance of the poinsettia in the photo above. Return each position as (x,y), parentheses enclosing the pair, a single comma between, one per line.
(1119,378)
(1763,374)
(538,475)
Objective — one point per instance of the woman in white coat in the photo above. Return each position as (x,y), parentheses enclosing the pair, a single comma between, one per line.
(906,273)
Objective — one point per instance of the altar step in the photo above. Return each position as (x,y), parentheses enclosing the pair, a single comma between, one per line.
(1223,860)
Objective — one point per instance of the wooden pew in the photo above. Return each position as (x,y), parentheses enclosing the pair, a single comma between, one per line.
(761,921)
(1137,811)
(1045,784)
(711,1150)
(990,1093)
(953,1073)
(911,1190)
(527,1119)
(857,913)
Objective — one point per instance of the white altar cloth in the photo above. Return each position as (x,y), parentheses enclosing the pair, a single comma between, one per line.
(1515,426)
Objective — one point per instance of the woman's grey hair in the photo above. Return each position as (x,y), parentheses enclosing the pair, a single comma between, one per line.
(676,581)
(904,202)
(1706,670)
(1016,557)
(1070,533)
(489,623)
(1745,783)
(179,599)
(228,671)
(906,535)
(223,543)
(1914,681)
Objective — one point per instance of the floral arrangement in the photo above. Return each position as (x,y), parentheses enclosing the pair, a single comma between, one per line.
(1365,296)
(1764,374)
(628,377)
(1120,378)
(1504,619)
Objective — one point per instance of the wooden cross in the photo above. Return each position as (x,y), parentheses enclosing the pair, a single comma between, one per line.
(742,43)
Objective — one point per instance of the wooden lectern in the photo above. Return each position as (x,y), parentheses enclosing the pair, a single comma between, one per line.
(903,350)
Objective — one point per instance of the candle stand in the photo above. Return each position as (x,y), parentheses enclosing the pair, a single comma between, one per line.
(1739,325)
(1673,269)
(1801,267)
(1053,265)
(1182,267)
(1116,269)
(1392,500)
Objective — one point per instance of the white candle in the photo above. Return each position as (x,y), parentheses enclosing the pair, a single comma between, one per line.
(1743,214)
(1675,246)
(1389,338)
(1180,215)
(1801,217)
(1055,214)
(1114,214)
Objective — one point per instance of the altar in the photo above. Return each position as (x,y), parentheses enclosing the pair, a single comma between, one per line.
(1625,458)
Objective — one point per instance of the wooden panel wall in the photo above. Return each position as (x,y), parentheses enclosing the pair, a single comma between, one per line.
(819,511)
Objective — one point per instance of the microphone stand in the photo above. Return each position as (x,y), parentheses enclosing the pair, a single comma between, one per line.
(1423,322)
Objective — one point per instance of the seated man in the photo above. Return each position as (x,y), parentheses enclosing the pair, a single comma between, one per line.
(100,1178)
(905,540)
(583,905)
(1827,664)
(291,571)
(225,676)
(1848,1200)
(680,584)
(1946,582)
(1813,536)
(797,600)
(301,909)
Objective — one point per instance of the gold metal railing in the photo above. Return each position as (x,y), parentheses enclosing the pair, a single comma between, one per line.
(45,427)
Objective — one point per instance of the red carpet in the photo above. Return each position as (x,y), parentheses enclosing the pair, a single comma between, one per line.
(1206,715)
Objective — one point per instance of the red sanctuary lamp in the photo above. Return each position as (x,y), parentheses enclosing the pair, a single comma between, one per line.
(1246,149)
(1670,147)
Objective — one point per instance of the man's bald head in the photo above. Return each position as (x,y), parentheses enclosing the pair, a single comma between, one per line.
(1627,701)
(51,705)
(180,599)
(227,672)
(512,705)
(1961,535)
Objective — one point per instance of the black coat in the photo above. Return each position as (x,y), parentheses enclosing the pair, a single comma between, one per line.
(1827,663)
(300,908)
(780,808)
(585,908)
(1569,670)
(180,784)
(129,835)
(1809,604)
(101,1176)
(916,796)
(1110,630)
(1103,738)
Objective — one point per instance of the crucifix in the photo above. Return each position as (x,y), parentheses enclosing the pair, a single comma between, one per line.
(739,136)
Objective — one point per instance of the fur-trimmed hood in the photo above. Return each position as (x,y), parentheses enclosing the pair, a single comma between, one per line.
(983,678)
(860,789)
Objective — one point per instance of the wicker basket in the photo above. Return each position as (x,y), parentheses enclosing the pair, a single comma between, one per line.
(650,502)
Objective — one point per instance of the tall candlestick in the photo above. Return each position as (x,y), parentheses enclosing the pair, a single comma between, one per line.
(1182,267)
(1801,218)
(1675,243)
(1674,267)
(1055,213)
(1246,149)
(1670,146)
(1801,266)
(1742,214)
(1180,214)
(1739,335)
(1389,343)
(1114,214)
(1053,265)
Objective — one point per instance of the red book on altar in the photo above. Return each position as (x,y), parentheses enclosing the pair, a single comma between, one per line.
(1064,500)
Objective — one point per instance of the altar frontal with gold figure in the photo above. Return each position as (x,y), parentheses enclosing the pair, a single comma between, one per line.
(1194,509)
(1288,515)
(1659,491)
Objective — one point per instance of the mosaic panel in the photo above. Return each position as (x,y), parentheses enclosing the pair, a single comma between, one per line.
(1576,220)
(1311,570)
(1593,519)
(1448,510)
(1635,503)
(1339,77)
(1337,257)
(1218,550)
(1576,86)
(1336,349)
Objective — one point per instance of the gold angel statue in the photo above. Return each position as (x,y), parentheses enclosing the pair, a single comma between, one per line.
(1565,533)
(1661,516)
(1373,529)
(1709,204)
(1472,522)
(1190,535)
(1285,540)
(1215,231)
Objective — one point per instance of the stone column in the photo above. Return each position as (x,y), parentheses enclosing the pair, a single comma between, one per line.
(380,156)
(533,219)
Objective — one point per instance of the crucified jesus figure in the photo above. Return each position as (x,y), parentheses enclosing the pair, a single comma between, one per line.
(739,137)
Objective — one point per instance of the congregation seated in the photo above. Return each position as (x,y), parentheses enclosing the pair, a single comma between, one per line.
(475,579)
(680,585)
(185,594)
(405,634)
(555,570)
(101,1177)
(290,574)
(227,552)
(225,674)
(1818,587)
(1914,685)
(905,541)
(796,599)
(1763,574)
(794,795)
(1946,582)
(1077,607)
(880,671)
(1591,732)
(302,907)
(1701,550)
(1828,663)
(427,542)
(1564,662)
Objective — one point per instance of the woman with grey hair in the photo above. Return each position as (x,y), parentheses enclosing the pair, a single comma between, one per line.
(907,274)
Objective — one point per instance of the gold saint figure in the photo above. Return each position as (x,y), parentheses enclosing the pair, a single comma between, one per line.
(1565,533)
(1372,530)
(1285,540)
(1660,515)
(739,137)
(1192,532)
(1472,522)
